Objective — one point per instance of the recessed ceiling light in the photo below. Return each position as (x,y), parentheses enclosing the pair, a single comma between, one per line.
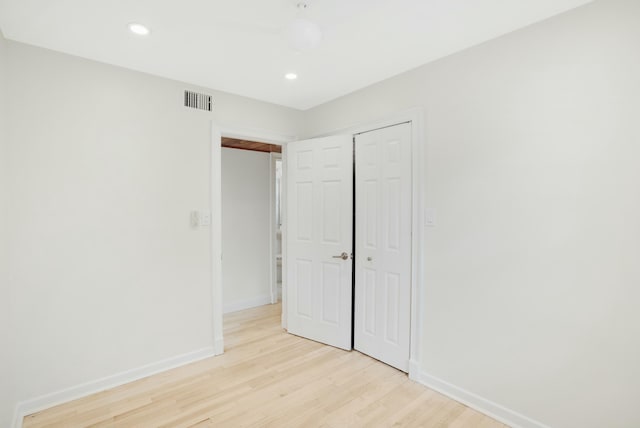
(139,29)
(291,76)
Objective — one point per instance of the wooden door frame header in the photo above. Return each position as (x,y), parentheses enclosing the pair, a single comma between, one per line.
(235,143)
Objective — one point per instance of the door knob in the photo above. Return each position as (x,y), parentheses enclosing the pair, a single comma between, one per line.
(369,258)
(343,256)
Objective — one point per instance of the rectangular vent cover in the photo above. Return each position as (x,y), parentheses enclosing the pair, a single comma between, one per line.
(198,100)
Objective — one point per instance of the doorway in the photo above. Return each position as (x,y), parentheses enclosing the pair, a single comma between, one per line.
(250,218)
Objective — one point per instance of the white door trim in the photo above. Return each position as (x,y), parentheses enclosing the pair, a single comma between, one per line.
(273,230)
(284,320)
(217,132)
(216,238)
(415,116)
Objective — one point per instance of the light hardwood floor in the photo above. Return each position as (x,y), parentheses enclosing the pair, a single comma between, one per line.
(268,378)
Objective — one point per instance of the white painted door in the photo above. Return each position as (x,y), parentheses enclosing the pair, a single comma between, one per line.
(319,221)
(383,244)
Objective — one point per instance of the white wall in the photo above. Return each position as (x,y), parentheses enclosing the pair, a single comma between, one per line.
(105,165)
(245,229)
(532,273)
(6,399)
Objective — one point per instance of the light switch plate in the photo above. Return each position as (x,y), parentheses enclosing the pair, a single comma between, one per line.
(205,218)
(195,219)
(430,217)
(200,218)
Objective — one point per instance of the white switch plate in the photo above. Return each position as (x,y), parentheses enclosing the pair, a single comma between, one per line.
(200,218)
(430,217)
(205,218)
(195,218)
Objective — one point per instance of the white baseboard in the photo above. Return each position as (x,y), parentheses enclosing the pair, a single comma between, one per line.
(476,402)
(246,304)
(43,402)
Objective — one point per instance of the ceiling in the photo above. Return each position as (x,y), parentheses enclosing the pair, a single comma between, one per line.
(238,46)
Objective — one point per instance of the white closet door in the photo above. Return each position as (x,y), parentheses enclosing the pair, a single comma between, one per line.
(319,232)
(383,245)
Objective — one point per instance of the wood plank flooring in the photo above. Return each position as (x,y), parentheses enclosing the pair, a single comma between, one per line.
(268,378)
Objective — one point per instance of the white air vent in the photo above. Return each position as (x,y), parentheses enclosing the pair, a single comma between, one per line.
(197,100)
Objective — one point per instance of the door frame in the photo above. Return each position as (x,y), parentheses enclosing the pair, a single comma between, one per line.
(418,166)
(217,132)
(273,230)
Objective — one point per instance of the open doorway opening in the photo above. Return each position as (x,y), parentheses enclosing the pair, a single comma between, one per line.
(251,237)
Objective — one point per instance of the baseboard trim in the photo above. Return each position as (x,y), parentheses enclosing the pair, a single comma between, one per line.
(247,304)
(43,402)
(481,404)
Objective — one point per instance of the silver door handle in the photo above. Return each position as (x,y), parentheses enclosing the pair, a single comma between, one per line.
(343,256)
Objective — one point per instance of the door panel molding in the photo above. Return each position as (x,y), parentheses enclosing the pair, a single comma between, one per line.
(383,157)
(318,231)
